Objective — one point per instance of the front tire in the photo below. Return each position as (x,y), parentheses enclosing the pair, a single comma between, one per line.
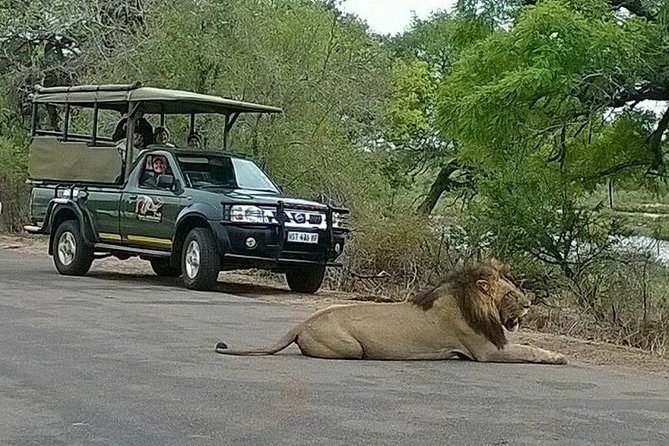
(71,255)
(163,268)
(307,279)
(200,260)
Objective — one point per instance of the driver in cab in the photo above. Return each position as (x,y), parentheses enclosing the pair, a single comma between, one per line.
(158,168)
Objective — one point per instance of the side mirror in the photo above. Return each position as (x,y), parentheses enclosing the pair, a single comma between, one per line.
(165,182)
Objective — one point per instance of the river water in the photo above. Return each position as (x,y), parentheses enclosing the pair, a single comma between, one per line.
(640,244)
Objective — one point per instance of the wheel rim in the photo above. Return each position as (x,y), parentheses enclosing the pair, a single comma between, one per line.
(192,259)
(67,248)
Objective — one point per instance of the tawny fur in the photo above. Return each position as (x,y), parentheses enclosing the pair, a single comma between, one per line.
(464,316)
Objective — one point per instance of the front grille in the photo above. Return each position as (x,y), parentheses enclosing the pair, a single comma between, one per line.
(298,218)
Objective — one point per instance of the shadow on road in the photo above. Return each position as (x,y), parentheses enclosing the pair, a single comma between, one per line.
(239,289)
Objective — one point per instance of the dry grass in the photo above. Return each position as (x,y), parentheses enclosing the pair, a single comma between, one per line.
(574,321)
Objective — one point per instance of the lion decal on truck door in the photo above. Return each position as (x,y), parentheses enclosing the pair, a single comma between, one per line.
(149,209)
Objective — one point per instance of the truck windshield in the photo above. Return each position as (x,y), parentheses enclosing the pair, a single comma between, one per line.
(203,172)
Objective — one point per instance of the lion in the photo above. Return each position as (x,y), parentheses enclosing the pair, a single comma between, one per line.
(146,205)
(465,316)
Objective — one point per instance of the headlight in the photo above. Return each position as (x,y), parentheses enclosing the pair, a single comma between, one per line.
(247,214)
(340,220)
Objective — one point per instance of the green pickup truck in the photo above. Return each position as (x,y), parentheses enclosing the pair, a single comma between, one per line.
(191,212)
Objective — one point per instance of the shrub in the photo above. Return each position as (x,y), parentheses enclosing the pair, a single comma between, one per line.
(14,192)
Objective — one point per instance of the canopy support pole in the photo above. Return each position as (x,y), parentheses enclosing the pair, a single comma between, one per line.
(130,131)
(33,125)
(95,123)
(229,122)
(66,124)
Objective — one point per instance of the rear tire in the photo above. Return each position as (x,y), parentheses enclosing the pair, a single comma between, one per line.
(163,268)
(307,279)
(200,260)
(71,255)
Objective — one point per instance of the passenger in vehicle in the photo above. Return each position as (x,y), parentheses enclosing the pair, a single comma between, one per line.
(194,141)
(141,125)
(136,146)
(158,167)
(146,129)
(120,130)
(162,136)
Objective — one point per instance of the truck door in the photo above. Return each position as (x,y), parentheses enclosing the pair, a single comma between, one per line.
(103,207)
(149,209)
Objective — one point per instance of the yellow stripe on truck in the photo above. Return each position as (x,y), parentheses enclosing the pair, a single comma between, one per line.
(109,236)
(150,240)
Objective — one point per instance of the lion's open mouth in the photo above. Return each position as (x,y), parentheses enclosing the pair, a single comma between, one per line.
(512,324)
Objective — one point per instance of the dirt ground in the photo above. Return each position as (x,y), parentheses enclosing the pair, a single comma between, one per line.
(272,288)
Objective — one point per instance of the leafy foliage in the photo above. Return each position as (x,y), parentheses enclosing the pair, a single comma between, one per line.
(553,71)
(323,69)
(535,108)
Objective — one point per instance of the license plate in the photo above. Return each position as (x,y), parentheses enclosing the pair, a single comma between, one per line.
(302,237)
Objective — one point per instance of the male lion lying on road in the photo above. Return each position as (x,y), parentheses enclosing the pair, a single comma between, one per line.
(465,315)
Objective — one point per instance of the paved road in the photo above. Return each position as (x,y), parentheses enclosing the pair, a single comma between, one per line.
(127,360)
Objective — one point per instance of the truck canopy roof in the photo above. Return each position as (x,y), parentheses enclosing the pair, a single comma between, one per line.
(154,100)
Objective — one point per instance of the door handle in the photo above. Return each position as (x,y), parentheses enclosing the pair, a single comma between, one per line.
(132,198)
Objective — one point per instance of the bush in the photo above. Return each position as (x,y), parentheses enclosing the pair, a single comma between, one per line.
(14,196)
(14,192)
(621,298)
(397,254)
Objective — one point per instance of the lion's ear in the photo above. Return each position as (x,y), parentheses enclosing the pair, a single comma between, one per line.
(499,266)
(484,286)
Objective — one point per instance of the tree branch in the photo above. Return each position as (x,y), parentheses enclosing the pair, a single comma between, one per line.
(635,7)
(440,185)
(651,93)
(613,169)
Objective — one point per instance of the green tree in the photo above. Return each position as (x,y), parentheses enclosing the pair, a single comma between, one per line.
(324,69)
(555,74)
(53,42)
(425,54)
(537,107)
(49,43)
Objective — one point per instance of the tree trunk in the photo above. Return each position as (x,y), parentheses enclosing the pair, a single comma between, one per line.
(655,144)
(442,184)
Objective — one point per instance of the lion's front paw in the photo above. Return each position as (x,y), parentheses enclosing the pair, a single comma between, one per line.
(558,358)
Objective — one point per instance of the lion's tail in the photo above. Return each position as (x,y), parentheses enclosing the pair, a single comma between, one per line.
(282,343)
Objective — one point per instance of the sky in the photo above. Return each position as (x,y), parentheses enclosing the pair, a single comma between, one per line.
(393,16)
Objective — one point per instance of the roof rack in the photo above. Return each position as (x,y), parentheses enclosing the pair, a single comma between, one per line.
(87,88)
(153,100)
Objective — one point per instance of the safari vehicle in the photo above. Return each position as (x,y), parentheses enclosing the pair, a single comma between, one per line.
(207,211)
